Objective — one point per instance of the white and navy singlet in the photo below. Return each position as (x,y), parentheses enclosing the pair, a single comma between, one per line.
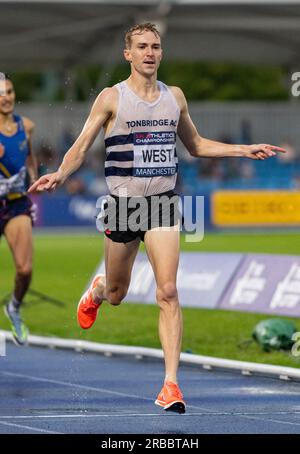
(141,153)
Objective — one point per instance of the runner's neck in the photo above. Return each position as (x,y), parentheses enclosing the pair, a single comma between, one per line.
(144,88)
(7,122)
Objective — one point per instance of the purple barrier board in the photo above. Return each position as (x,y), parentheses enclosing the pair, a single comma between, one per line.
(202,278)
(267,284)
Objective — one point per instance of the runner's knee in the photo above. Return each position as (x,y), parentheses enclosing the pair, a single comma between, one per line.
(166,293)
(24,269)
(116,294)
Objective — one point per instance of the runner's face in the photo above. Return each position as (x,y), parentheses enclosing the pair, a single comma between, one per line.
(145,53)
(7,102)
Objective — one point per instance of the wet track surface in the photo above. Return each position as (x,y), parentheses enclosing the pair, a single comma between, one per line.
(60,391)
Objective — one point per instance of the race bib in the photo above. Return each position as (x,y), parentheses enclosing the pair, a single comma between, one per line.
(154,154)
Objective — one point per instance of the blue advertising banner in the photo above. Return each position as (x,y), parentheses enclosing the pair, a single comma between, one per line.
(65,211)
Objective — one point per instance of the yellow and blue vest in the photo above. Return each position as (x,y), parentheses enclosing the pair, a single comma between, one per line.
(14,151)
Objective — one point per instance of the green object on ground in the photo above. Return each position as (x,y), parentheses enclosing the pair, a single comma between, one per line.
(274,334)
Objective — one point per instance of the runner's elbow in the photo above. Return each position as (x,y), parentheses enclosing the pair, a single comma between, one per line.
(195,147)
(195,151)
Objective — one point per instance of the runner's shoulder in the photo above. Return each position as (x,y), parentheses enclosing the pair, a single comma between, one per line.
(28,125)
(178,94)
(108,98)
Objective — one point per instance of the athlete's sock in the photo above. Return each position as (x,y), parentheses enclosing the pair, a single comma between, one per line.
(22,282)
(14,304)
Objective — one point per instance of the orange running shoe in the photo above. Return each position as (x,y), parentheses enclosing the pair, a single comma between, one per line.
(87,310)
(171,398)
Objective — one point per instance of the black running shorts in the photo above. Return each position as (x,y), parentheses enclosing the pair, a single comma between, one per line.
(128,218)
(11,208)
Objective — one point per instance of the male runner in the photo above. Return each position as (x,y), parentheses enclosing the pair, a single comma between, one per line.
(141,117)
(16,209)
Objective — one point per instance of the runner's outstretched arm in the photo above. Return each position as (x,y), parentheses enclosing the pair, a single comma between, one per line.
(200,147)
(73,159)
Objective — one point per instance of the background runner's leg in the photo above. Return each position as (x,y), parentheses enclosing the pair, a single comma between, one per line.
(18,233)
(163,251)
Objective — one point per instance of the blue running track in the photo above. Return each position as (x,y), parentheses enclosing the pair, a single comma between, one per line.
(61,391)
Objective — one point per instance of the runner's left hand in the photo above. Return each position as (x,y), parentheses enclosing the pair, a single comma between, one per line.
(262,151)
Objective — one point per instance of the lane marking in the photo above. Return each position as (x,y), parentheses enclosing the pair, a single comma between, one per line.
(102,390)
(88,388)
(30,428)
(120,415)
(113,415)
(277,421)
(72,385)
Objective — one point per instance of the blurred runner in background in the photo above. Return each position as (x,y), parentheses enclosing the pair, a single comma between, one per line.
(16,209)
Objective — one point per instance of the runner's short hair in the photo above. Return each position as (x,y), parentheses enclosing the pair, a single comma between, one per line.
(139,29)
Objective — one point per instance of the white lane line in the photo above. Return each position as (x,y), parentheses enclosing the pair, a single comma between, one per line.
(110,415)
(72,385)
(210,412)
(102,390)
(277,421)
(88,388)
(121,415)
(35,429)
(113,415)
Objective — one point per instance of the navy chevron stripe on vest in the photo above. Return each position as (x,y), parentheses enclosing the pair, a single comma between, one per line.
(118,140)
(118,171)
(120,156)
